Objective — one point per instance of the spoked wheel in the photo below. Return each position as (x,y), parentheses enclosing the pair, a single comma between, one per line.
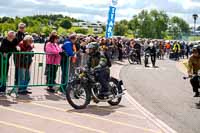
(131,59)
(77,96)
(116,90)
(146,61)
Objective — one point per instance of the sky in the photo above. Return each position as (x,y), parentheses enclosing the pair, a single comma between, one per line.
(97,10)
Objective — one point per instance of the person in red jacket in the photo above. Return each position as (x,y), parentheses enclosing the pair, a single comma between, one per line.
(23,63)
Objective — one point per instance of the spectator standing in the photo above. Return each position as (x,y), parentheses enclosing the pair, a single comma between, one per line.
(23,63)
(137,46)
(120,50)
(187,51)
(53,59)
(68,49)
(19,36)
(53,33)
(8,45)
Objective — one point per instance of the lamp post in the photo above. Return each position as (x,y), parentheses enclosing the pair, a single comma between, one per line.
(195,16)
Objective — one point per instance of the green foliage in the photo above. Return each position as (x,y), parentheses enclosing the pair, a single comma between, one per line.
(47,30)
(82,31)
(37,24)
(147,24)
(120,28)
(182,24)
(151,24)
(66,24)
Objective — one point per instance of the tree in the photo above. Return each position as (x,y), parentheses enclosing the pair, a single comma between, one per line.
(160,23)
(82,31)
(178,26)
(133,25)
(182,24)
(120,29)
(66,24)
(47,30)
(145,25)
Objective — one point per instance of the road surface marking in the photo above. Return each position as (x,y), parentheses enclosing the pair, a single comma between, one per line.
(20,127)
(98,118)
(96,108)
(150,68)
(120,112)
(165,128)
(52,119)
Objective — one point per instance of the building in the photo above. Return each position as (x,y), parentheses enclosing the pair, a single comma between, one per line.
(97,26)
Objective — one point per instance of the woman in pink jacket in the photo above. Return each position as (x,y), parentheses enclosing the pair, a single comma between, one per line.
(53,59)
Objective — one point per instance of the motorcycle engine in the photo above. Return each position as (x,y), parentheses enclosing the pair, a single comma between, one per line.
(97,88)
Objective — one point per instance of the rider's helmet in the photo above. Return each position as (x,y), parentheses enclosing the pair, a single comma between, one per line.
(151,45)
(93,48)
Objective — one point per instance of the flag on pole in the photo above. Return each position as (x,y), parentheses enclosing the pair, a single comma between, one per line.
(111,18)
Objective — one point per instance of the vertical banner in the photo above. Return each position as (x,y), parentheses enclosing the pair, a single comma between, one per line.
(111,19)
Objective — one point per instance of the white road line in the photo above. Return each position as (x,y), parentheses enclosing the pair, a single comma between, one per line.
(164,127)
(150,68)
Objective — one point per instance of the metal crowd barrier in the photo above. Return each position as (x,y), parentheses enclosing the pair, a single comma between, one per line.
(29,69)
(2,67)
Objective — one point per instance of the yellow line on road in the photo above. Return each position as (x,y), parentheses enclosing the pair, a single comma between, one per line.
(99,108)
(52,119)
(98,118)
(20,127)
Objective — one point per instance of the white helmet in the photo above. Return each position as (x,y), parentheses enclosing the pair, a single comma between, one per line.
(151,45)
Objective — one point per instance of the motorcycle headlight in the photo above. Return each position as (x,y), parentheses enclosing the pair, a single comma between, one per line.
(81,75)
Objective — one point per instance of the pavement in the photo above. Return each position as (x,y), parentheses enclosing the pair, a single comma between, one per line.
(164,93)
(42,112)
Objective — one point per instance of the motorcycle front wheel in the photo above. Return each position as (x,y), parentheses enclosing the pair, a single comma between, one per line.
(131,59)
(146,61)
(116,90)
(77,95)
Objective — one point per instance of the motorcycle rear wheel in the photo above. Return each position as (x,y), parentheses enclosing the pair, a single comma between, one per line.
(115,91)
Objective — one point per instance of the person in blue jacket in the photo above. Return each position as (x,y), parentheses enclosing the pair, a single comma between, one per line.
(67,52)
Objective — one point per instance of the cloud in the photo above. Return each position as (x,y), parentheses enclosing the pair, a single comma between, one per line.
(93,10)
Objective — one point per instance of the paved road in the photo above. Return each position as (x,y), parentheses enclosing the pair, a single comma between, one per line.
(163,92)
(50,113)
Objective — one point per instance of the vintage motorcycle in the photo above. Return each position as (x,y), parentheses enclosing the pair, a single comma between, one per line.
(83,88)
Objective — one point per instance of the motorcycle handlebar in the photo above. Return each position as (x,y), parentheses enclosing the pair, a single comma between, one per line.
(189,77)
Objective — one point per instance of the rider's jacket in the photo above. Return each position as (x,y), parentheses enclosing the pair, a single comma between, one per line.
(150,50)
(194,64)
(97,61)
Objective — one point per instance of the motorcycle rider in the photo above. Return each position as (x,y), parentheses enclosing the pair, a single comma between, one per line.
(137,46)
(193,68)
(99,63)
(151,49)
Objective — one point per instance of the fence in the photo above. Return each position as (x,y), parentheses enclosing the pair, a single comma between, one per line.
(20,70)
(2,80)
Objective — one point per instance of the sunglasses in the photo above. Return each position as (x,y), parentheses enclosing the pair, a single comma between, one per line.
(21,27)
